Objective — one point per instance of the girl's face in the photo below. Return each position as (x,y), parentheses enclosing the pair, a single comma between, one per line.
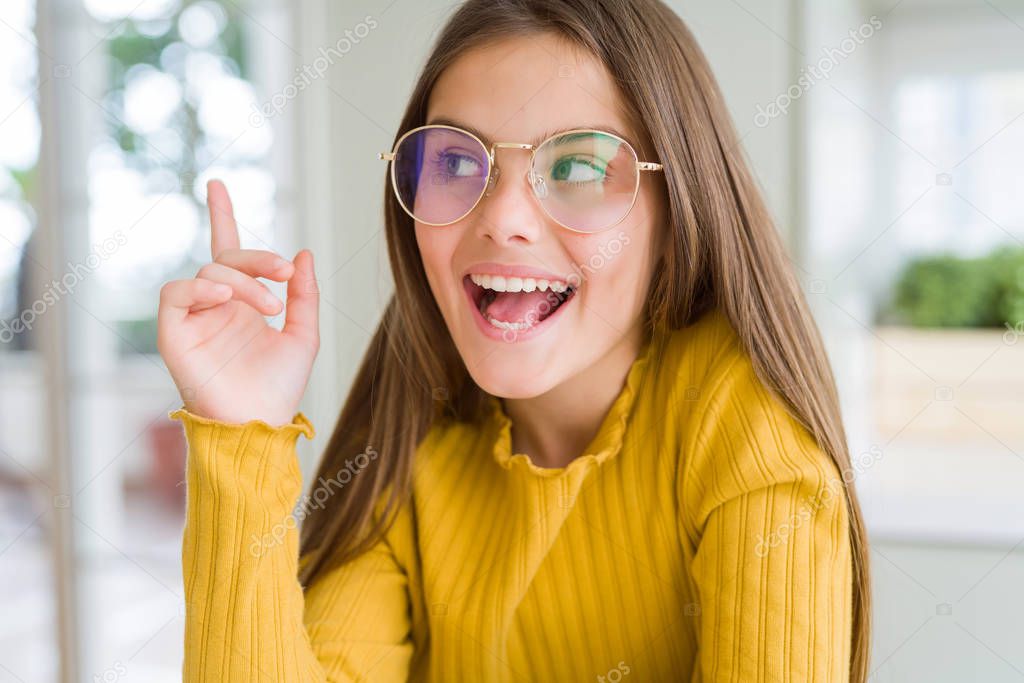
(524,344)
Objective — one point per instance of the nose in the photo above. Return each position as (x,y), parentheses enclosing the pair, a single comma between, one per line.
(508,212)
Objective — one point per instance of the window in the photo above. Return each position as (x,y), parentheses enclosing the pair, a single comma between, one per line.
(153,99)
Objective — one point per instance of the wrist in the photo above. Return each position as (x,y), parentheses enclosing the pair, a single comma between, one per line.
(274,418)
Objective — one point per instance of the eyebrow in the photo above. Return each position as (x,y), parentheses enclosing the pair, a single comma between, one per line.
(442,121)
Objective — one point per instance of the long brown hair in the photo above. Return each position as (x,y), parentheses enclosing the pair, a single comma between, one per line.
(722,250)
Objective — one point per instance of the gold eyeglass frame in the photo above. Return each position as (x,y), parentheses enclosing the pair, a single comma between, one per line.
(495,172)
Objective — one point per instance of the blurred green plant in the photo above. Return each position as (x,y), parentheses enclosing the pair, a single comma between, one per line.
(951,291)
(136,336)
(129,46)
(1010,266)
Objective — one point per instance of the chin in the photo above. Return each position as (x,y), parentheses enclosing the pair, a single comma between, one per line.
(514,380)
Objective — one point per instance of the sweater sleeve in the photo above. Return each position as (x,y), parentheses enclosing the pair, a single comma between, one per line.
(246,617)
(764,513)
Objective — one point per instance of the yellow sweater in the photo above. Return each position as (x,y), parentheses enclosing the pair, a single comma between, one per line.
(702,536)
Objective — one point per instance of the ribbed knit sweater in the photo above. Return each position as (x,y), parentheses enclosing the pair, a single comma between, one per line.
(701,536)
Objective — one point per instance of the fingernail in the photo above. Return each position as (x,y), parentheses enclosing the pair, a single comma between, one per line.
(270,301)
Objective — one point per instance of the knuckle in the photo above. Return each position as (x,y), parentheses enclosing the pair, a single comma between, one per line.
(166,289)
(229,256)
(268,260)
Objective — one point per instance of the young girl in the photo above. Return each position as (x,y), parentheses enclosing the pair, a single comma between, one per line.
(595,436)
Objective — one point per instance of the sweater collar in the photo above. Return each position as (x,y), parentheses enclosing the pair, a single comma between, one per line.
(605,445)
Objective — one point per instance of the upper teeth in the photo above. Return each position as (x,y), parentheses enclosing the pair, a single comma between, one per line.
(500,283)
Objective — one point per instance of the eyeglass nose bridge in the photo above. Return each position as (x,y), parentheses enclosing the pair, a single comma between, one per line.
(492,179)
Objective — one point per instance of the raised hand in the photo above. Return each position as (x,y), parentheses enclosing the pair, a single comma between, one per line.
(228,363)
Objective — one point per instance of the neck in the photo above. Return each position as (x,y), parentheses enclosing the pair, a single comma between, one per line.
(554,428)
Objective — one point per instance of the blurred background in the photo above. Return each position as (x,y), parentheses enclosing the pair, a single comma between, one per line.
(888,136)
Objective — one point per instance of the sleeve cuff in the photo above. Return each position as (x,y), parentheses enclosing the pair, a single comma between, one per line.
(244,460)
(300,424)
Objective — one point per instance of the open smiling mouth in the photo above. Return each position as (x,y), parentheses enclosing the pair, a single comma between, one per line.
(511,304)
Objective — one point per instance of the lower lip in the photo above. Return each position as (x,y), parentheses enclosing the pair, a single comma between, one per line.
(510,336)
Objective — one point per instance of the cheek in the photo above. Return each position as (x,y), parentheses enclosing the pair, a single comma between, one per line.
(621,277)
(616,269)
(434,250)
(432,255)
(641,241)
(437,248)
(652,229)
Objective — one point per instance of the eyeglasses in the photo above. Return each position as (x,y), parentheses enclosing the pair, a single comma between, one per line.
(585,180)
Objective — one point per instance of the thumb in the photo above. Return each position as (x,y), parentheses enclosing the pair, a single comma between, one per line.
(302,315)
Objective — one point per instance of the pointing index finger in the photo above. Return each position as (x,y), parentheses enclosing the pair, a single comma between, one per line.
(223,228)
